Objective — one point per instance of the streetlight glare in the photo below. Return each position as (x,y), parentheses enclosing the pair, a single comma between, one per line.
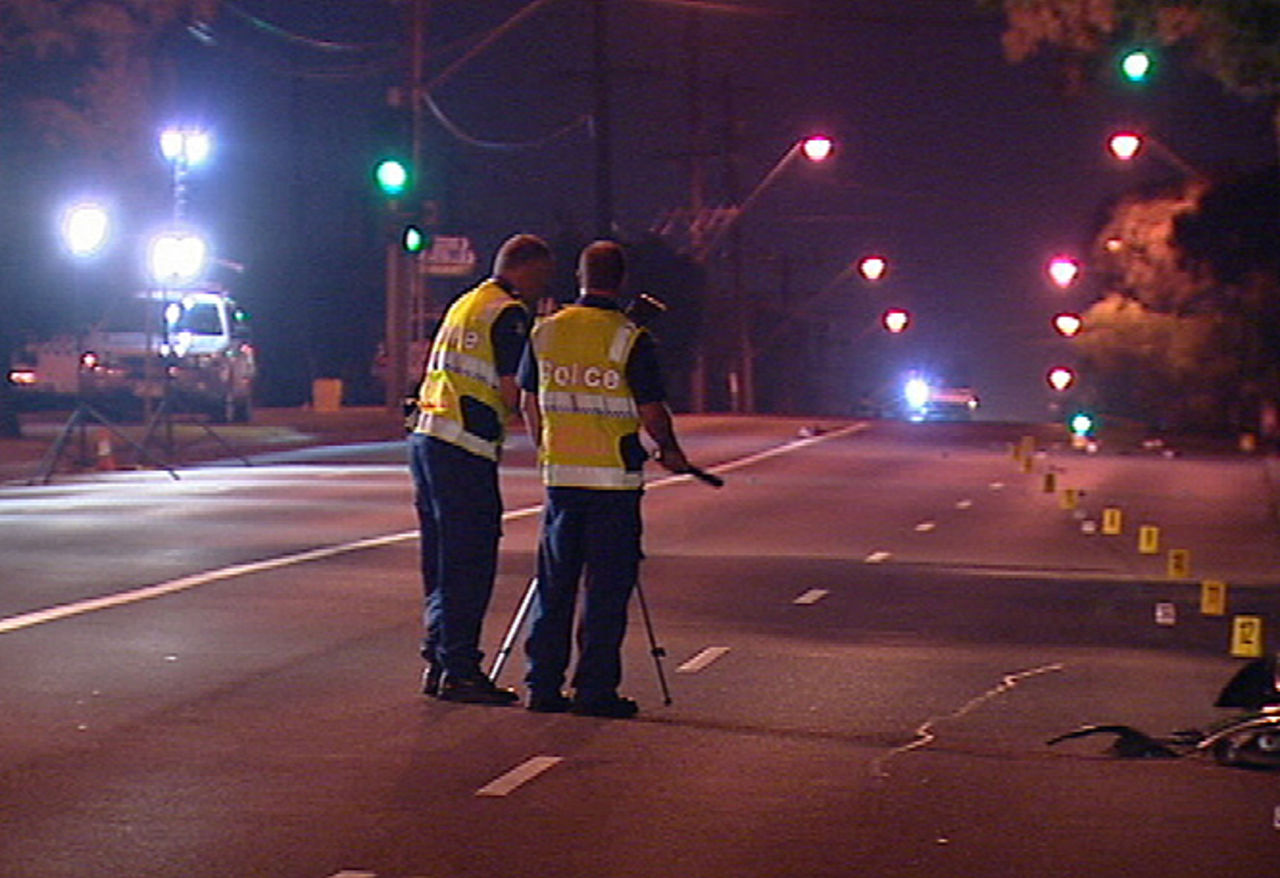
(896,319)
(1060,378)
(817,148)
(1067,324)
(873,267)
(177,257)
(85,227)
(1124,145)
(1063,270)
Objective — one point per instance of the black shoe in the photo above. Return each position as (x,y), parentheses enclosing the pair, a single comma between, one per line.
(431,680)
(548,702)
(475,690)
(609,707)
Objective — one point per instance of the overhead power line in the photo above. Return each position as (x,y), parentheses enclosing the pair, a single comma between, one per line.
(457,132)
(319,45)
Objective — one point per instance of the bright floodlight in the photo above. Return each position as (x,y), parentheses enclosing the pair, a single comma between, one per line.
(873,267)
(1125,145)
(185,147)
(176,258)
(817,148)
(85,227)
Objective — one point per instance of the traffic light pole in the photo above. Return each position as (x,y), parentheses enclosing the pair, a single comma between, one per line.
(396,324)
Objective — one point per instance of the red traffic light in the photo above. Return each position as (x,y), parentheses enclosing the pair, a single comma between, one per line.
(896,319)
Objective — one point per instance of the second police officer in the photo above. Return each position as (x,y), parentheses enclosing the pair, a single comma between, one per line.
(590,382)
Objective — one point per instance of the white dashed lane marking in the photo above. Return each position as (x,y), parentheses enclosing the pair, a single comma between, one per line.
(702,659)
(519,776)
(812,596)
(196,580)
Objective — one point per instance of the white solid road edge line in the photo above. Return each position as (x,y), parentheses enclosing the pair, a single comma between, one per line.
(64,611)
(786,447)
(51,614)
(702,659)
(518,776)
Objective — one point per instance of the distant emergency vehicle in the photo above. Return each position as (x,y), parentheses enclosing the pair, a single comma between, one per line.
(192,347)
(927,402)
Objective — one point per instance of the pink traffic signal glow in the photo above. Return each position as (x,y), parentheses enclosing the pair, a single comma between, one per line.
(817,148)
(896,319)
(873,267)
(1060,378)
(1124,145)
(1067,324)
(1063,270)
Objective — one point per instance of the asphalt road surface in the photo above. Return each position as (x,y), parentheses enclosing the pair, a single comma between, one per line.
(870,633)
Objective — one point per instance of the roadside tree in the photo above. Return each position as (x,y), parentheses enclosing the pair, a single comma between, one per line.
(1235,41)
(79,86)
(1187,334)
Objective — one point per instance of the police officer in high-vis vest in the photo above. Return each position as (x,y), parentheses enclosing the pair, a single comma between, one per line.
(590,381)
(466,397)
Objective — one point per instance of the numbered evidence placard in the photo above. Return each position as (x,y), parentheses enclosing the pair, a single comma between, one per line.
(1246,637)
(1148,539)
(1179,564)
(1213,597)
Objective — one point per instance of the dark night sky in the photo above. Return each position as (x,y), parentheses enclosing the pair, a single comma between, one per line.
(968,172)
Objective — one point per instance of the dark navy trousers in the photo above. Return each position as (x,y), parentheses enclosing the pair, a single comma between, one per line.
(589,537)
(459,511)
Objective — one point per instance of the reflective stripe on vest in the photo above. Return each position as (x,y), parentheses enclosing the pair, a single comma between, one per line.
(448,430)
(605,477)
(587,406)
(462,363)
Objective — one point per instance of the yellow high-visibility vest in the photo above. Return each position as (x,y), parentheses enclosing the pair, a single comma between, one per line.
(458,400)
(590,425)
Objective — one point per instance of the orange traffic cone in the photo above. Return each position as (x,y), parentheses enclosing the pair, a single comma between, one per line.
(106,457)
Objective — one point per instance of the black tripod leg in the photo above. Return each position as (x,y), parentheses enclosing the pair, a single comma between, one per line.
(50,460)
(654,650)
(139,450)
(224,443)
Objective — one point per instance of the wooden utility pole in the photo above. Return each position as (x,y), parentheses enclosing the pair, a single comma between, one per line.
(403,274)
(601,79)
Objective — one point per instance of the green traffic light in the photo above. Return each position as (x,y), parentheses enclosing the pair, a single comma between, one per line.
(392,177)
(413,240)
(1081,424)
(1136,65)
